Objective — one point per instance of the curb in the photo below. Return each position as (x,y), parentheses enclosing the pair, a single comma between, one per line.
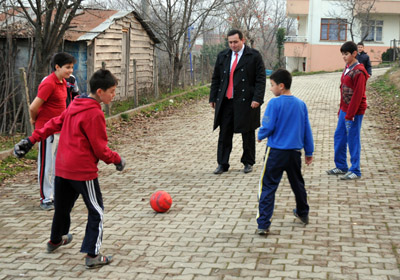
(6,154)
(116,118)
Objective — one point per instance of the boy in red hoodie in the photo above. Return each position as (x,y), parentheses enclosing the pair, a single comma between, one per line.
(353,103)
(83,141)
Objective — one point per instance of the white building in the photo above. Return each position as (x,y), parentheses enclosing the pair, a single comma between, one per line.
(322,29)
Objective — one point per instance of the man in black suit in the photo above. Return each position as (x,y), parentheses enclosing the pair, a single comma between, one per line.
(236,99)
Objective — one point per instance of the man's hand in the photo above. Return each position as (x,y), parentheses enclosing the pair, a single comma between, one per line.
(22,148)
(255,104)
(309,160)
(121,165)
(212,104)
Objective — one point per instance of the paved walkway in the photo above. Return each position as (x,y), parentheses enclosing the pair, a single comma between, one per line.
(354,230)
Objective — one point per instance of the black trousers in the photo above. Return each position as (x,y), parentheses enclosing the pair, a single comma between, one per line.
(66,192)
(226,135)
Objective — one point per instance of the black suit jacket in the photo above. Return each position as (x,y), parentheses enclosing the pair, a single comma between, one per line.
(248,85)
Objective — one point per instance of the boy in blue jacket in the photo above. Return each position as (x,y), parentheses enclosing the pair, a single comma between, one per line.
(286,125)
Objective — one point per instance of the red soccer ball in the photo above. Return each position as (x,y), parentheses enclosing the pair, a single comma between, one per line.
(160,201)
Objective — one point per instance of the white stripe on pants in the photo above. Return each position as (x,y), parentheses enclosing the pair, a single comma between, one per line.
(46,167)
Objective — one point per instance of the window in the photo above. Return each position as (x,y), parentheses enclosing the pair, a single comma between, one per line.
(374,28)
(333,29)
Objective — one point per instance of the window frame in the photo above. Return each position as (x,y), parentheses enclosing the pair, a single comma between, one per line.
(375,27)
(334,21)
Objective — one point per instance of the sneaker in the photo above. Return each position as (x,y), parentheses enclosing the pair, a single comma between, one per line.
(261,231)
(335,171)
(66,239)
(97,261)
(247,168)
(350,176)
(304,219)
(47,206)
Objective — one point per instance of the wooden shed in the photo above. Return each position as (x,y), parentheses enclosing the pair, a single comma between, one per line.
(119,39)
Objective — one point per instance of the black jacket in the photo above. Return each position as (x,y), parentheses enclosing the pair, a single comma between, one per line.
(248,85)
(363,58)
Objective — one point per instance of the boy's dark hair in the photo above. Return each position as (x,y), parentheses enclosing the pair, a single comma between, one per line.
(360,44)
(61,59)
(102,79)
(349,47)
(235,31)
(282,76)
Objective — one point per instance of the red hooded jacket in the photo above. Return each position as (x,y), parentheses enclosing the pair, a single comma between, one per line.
(83,140)
(353,100)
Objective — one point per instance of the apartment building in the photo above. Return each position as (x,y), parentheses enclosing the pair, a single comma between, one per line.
(322,27)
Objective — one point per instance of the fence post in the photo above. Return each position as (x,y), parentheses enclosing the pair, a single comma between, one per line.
(26,102)
(155,78)
(202,69)
(135,89)
(193,71)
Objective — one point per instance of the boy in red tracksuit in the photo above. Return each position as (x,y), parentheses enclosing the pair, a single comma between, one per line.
(353,103)
(83,142)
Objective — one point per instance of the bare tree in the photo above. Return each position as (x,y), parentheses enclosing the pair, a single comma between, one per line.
(260,21)
(357,14)
(171,20)
(49,20)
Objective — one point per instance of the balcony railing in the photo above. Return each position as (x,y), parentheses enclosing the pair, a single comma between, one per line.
(296,39)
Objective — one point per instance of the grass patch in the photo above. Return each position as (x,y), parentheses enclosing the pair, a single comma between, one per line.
(389,90)
(128,104)
(177,101)
(8,142)
(11,165)
(298,73)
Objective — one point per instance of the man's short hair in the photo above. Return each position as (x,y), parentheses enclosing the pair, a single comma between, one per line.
(349,46)
(235,31)
(61,59)
(360,44)
(282,76)
(102,79)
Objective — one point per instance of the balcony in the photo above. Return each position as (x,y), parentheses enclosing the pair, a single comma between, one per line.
(386,7)
(296,39)
(295,8)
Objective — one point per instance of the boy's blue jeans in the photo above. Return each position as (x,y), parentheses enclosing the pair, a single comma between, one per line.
(352,139)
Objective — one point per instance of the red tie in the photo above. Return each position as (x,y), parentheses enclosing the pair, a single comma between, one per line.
(229,92)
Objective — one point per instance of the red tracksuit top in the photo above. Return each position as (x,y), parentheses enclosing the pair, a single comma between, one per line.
(83,140)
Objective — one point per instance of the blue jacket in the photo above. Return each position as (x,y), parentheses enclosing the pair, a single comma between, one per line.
(286,125)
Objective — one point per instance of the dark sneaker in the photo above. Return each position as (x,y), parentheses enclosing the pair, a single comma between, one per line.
(66,239)
(247,168)
(47,206)
(304,219)
(350,176)
(335,171)
(100,260)
(261,231)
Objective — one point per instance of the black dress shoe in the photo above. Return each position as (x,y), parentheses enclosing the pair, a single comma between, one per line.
(220,169)
(247,168)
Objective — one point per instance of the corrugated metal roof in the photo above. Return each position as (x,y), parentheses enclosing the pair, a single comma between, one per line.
(85,26)
(90,35)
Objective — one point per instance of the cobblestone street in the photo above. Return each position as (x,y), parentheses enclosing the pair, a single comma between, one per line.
(209,232)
